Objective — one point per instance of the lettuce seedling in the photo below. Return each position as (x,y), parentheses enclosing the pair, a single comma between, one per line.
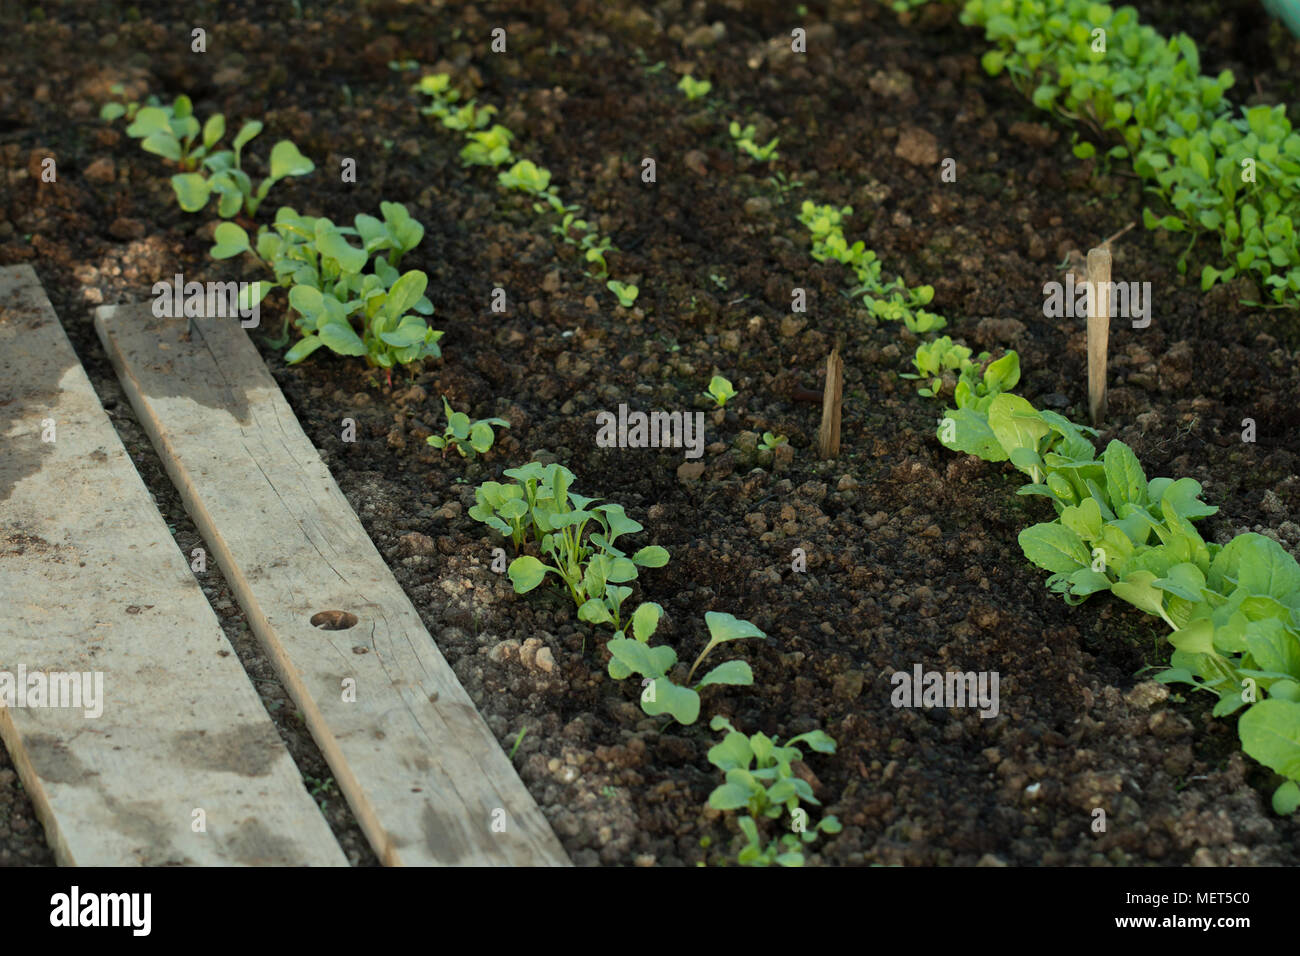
(771,441)
(626,292)
(528,177)
(720,390)
(693,88)
(760,778)
(744,140)
(466,436)
(488,148)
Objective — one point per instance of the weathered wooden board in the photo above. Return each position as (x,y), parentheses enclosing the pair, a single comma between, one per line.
(91,582)
(426,779)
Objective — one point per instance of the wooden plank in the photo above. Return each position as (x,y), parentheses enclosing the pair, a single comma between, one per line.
(94,584)
(421,770)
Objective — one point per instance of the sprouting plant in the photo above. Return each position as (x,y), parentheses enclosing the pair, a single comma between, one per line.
(760,779)
(398,233)
(661,695)
(576,535)
(502,507)
(771,441)
(466,436)
(403,66)
(720,390)
(113,110)
(693,88)
(596,247)
(226,177)
(625,292)
(526,176)
(518,741)
(390,334)
(744,140)
(488,147)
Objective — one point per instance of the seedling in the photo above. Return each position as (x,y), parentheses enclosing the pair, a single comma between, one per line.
(518,741)
(720,390)
(526,177)
(744,140)
(771,441)
(591,565)
(113,110)
(662,695)
(626,293)
(761,780)
(227,178)
(488,148)
(693,88)
(466,436)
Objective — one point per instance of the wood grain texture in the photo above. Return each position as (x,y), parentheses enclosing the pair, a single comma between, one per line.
(421,770)
(828,435)
(1098,331)
(94,584)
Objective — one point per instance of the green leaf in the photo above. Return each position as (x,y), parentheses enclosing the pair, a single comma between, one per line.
(1054,548)
(729,796)
(163,144)
(725,627)
(526,572)
(735,673)
(213,130)
(970,433)
(665,697)
(302,349)
(148,121)
(191,191)
(646,620)
(651,556)
(230,240)
(405,292)
(341,338)
(1137,588)
(111,111)
(593,611)
(287,161)
(1270,732)
(1286,799)
(1016,423)
(1124,478)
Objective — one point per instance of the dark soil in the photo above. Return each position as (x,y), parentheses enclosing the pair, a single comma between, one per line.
(911,551)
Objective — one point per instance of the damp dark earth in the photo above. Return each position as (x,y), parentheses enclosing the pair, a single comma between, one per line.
(894,556)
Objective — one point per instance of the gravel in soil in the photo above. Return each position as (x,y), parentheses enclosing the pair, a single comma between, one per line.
(911,551)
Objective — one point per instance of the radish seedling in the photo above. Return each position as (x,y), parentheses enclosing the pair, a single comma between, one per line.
(720,390)
(760,778)
(466,436)
(693,88)
(625,292)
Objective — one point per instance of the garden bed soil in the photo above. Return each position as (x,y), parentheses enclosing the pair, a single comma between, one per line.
(912,555)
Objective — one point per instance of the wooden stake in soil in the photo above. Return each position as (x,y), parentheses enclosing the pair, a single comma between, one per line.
(828,436)
(1098,330)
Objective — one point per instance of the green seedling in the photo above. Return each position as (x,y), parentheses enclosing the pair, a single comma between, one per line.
(771,441)
(518,741)
(761,780)
(488,147)
(693,88)
(576,535)
(625,292)
(720,390)
(466,436)
(526,176)
(661,695)
(403,66)
(744,140)
(226,178)
(114,110)
(595,248)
